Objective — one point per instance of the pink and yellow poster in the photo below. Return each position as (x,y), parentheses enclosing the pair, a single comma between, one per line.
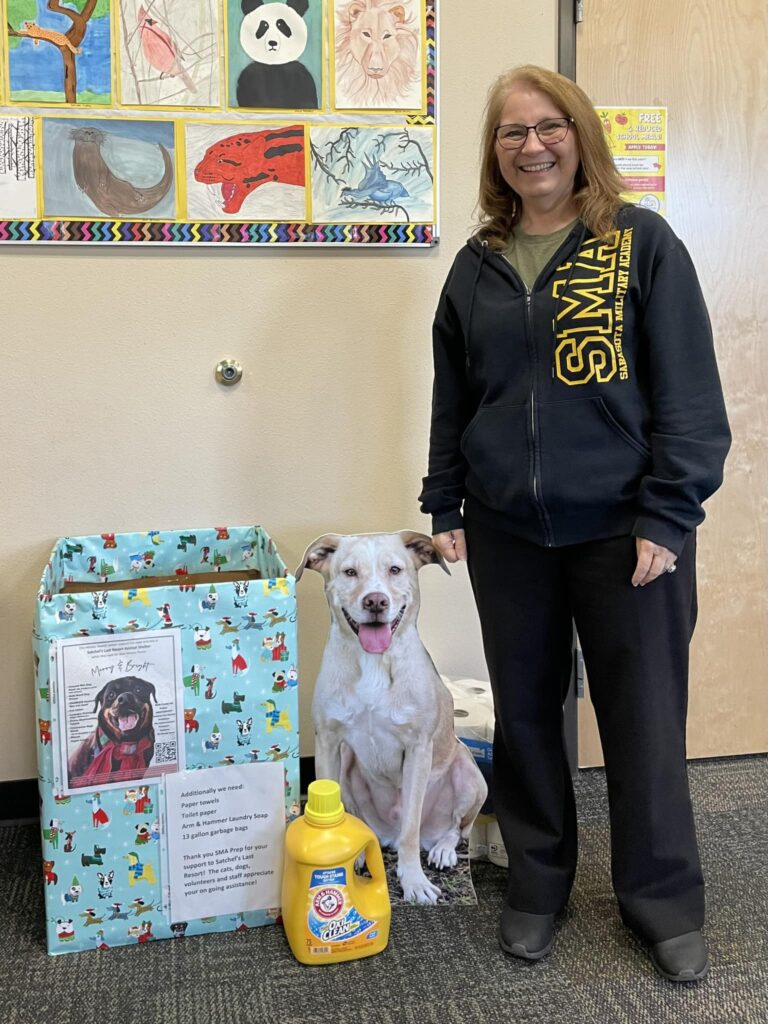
(638,140)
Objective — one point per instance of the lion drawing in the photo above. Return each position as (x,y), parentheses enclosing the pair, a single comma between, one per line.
(377,55)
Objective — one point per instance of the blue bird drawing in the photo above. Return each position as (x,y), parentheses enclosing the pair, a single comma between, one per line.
(376,187)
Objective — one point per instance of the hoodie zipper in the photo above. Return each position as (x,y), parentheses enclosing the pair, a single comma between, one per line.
(537,500)
(538,503)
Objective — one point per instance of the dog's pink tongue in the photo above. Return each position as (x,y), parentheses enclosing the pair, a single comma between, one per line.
(128,722)
(375,639)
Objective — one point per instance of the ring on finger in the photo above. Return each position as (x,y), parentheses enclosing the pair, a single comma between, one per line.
(671,567)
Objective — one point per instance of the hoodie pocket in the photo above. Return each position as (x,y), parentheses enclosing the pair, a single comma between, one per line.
(495,445)
(588,459)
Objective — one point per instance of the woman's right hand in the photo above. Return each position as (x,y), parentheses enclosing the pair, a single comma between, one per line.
(451,545)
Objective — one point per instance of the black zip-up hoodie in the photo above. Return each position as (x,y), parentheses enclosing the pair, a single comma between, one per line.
(589,407)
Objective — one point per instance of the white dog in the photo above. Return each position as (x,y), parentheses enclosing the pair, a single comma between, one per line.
(383,717)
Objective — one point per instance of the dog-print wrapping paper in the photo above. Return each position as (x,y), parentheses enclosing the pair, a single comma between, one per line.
(227,592)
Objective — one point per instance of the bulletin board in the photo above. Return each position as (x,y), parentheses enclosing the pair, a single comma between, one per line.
(218,122)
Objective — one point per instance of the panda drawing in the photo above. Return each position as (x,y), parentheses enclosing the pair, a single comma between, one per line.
(274,36)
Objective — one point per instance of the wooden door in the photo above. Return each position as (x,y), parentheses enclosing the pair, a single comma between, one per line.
(707,63)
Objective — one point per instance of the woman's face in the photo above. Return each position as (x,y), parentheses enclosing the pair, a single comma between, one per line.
(541,174)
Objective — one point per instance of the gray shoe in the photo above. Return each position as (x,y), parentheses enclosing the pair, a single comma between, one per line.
(683,958)
(529,936)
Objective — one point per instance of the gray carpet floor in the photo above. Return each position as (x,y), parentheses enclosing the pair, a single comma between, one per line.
(442,965)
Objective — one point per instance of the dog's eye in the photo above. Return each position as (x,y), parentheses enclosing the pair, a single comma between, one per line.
(395,569)
(350,572)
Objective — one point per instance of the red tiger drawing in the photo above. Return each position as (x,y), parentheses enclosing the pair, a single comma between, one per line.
(243,162)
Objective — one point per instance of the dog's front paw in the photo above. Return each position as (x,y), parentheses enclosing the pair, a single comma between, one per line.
(417,888)
(443,854)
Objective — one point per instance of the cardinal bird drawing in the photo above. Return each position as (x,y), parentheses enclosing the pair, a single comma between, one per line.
(161,51)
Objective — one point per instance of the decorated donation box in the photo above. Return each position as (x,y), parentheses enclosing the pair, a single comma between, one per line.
(168,743)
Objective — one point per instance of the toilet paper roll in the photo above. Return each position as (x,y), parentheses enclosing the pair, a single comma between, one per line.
(480,688)
(464,689)
(497,854)
(471,721)
(473,724)
(473,690)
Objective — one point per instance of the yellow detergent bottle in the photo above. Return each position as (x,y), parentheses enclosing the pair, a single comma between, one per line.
(330,913)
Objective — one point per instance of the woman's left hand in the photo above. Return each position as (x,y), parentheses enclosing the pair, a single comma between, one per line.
(653,561)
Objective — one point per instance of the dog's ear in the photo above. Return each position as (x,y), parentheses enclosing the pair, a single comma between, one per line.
(318,554)
(99,699)
(422,550)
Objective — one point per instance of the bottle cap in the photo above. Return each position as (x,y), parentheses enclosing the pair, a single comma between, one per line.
(324,806)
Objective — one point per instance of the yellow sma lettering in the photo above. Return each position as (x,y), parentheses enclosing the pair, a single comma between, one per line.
(578,361)
(590,315)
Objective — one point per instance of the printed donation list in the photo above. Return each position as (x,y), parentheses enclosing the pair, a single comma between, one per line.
(226,828)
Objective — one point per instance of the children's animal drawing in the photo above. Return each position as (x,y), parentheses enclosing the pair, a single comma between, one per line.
(40,76)
(161,51)
(114,196)
(377,55)
(375,188)
(274,36)
(241,163)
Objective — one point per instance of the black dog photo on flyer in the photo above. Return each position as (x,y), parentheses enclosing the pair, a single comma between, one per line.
(120,720)
(122,743)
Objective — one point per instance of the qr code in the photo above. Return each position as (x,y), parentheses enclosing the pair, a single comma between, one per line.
(165,752)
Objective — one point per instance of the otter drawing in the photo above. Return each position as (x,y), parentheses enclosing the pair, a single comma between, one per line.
(112,195)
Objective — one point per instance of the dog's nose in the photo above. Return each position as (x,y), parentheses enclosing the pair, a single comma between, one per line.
(376,603)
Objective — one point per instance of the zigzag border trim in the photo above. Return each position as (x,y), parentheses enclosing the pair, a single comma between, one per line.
(173,232)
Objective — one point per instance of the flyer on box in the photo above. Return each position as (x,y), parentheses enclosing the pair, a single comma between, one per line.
(637,137)
(120,714)
(226,830)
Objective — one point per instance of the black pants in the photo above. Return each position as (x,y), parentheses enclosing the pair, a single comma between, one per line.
(635,644)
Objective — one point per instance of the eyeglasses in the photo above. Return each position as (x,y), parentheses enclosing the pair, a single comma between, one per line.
(549,131)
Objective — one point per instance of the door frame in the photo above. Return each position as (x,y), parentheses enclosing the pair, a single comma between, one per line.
(568,15)
(566,65)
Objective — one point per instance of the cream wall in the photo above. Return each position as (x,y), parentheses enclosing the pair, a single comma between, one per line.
(111,419)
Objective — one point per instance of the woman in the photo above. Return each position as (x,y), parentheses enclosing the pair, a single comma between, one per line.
(578,419)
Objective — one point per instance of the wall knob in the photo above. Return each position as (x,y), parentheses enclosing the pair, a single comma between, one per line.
(228,372)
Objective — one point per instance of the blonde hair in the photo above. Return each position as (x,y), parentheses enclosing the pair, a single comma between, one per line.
(598,185)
